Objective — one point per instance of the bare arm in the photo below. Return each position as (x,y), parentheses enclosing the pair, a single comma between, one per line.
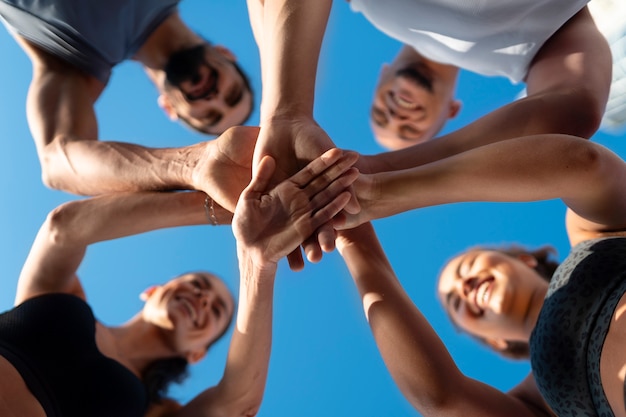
(268,226)
(60,110)
(588,177)
(567,84)
(413,353)
(63,238)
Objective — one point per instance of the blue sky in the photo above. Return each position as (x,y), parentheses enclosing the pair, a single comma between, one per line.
(324,360)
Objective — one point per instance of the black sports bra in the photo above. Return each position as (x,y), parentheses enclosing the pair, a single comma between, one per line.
(50,340)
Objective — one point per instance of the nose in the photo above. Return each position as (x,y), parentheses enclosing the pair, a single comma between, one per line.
(394,114)
(206,297)
(464,286)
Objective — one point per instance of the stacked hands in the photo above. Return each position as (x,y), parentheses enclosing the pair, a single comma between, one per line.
(302,189)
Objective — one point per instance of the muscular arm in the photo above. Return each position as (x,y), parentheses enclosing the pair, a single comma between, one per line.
(60,110)
(567,84)
(412,351)
(63,238)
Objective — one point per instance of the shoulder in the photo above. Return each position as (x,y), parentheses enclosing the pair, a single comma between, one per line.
(528,393)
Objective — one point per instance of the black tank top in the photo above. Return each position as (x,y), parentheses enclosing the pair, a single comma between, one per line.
(50,340)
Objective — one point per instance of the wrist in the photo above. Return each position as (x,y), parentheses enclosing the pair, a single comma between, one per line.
(289,113)
(254,264)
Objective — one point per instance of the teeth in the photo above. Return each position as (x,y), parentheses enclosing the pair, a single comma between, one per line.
(481,294)
(190,308)
(405,104)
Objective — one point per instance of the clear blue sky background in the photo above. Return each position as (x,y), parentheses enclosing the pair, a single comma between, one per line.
(324,360)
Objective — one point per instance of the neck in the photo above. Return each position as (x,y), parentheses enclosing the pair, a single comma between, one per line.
(170,36)
(534,308)
(135,344)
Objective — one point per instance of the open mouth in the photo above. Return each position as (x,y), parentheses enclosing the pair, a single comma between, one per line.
(404,101)
(204,90)
(481,295)
(190,308)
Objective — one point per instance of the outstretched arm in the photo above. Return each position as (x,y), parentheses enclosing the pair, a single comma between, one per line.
(567,84)
(62,121)
(289,35)
(413,353)
(63,238)
(588,177)
(269,225)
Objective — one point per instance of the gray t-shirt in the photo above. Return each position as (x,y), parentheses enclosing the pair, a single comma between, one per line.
(94,36)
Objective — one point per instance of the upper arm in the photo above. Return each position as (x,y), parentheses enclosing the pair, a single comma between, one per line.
(577,62)
(597,203)
(51,264)
(60,99)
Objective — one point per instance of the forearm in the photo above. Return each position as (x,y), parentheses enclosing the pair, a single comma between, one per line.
(243,383)
(413,353)
(585,175)
(91,167)
(293,31)
(521,118)
(113,216)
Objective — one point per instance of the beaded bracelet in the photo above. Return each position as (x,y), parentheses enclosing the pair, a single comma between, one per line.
(210,210)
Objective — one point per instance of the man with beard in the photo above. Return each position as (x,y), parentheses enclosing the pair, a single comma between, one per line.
(73,46)
(551,45)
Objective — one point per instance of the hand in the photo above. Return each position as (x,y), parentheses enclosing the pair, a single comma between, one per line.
(270,225)
(368,192)
(225,168)
(294,143)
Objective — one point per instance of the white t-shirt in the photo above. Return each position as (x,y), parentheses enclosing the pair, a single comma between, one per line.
(489,37)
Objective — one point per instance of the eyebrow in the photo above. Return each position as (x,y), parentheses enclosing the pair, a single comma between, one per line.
(405,128)
(378,117)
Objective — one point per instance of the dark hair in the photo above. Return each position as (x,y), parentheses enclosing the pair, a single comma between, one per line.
(546,265)
(246,82)
(162,373)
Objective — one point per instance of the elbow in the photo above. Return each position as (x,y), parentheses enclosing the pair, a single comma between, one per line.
(579,113)
(58,224)
(56,170)
(587,115)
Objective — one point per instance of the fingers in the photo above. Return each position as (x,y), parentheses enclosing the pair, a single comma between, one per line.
(324,170)
(312,249)
(296,263)
(262,176)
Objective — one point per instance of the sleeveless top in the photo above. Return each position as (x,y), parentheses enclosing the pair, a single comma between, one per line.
(566,344)
(94,36)
(50,340)
(489,37)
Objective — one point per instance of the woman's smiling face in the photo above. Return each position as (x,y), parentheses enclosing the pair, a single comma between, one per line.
(490,294)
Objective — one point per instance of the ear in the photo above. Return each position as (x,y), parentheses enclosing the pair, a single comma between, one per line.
(164,103)
(497,344)
(384,69)
(528,259)
(227,53)
(455,107)
(147,293)
(196,356)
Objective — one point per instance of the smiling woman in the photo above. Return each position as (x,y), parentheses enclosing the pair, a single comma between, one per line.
(573,324)
(86,368)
